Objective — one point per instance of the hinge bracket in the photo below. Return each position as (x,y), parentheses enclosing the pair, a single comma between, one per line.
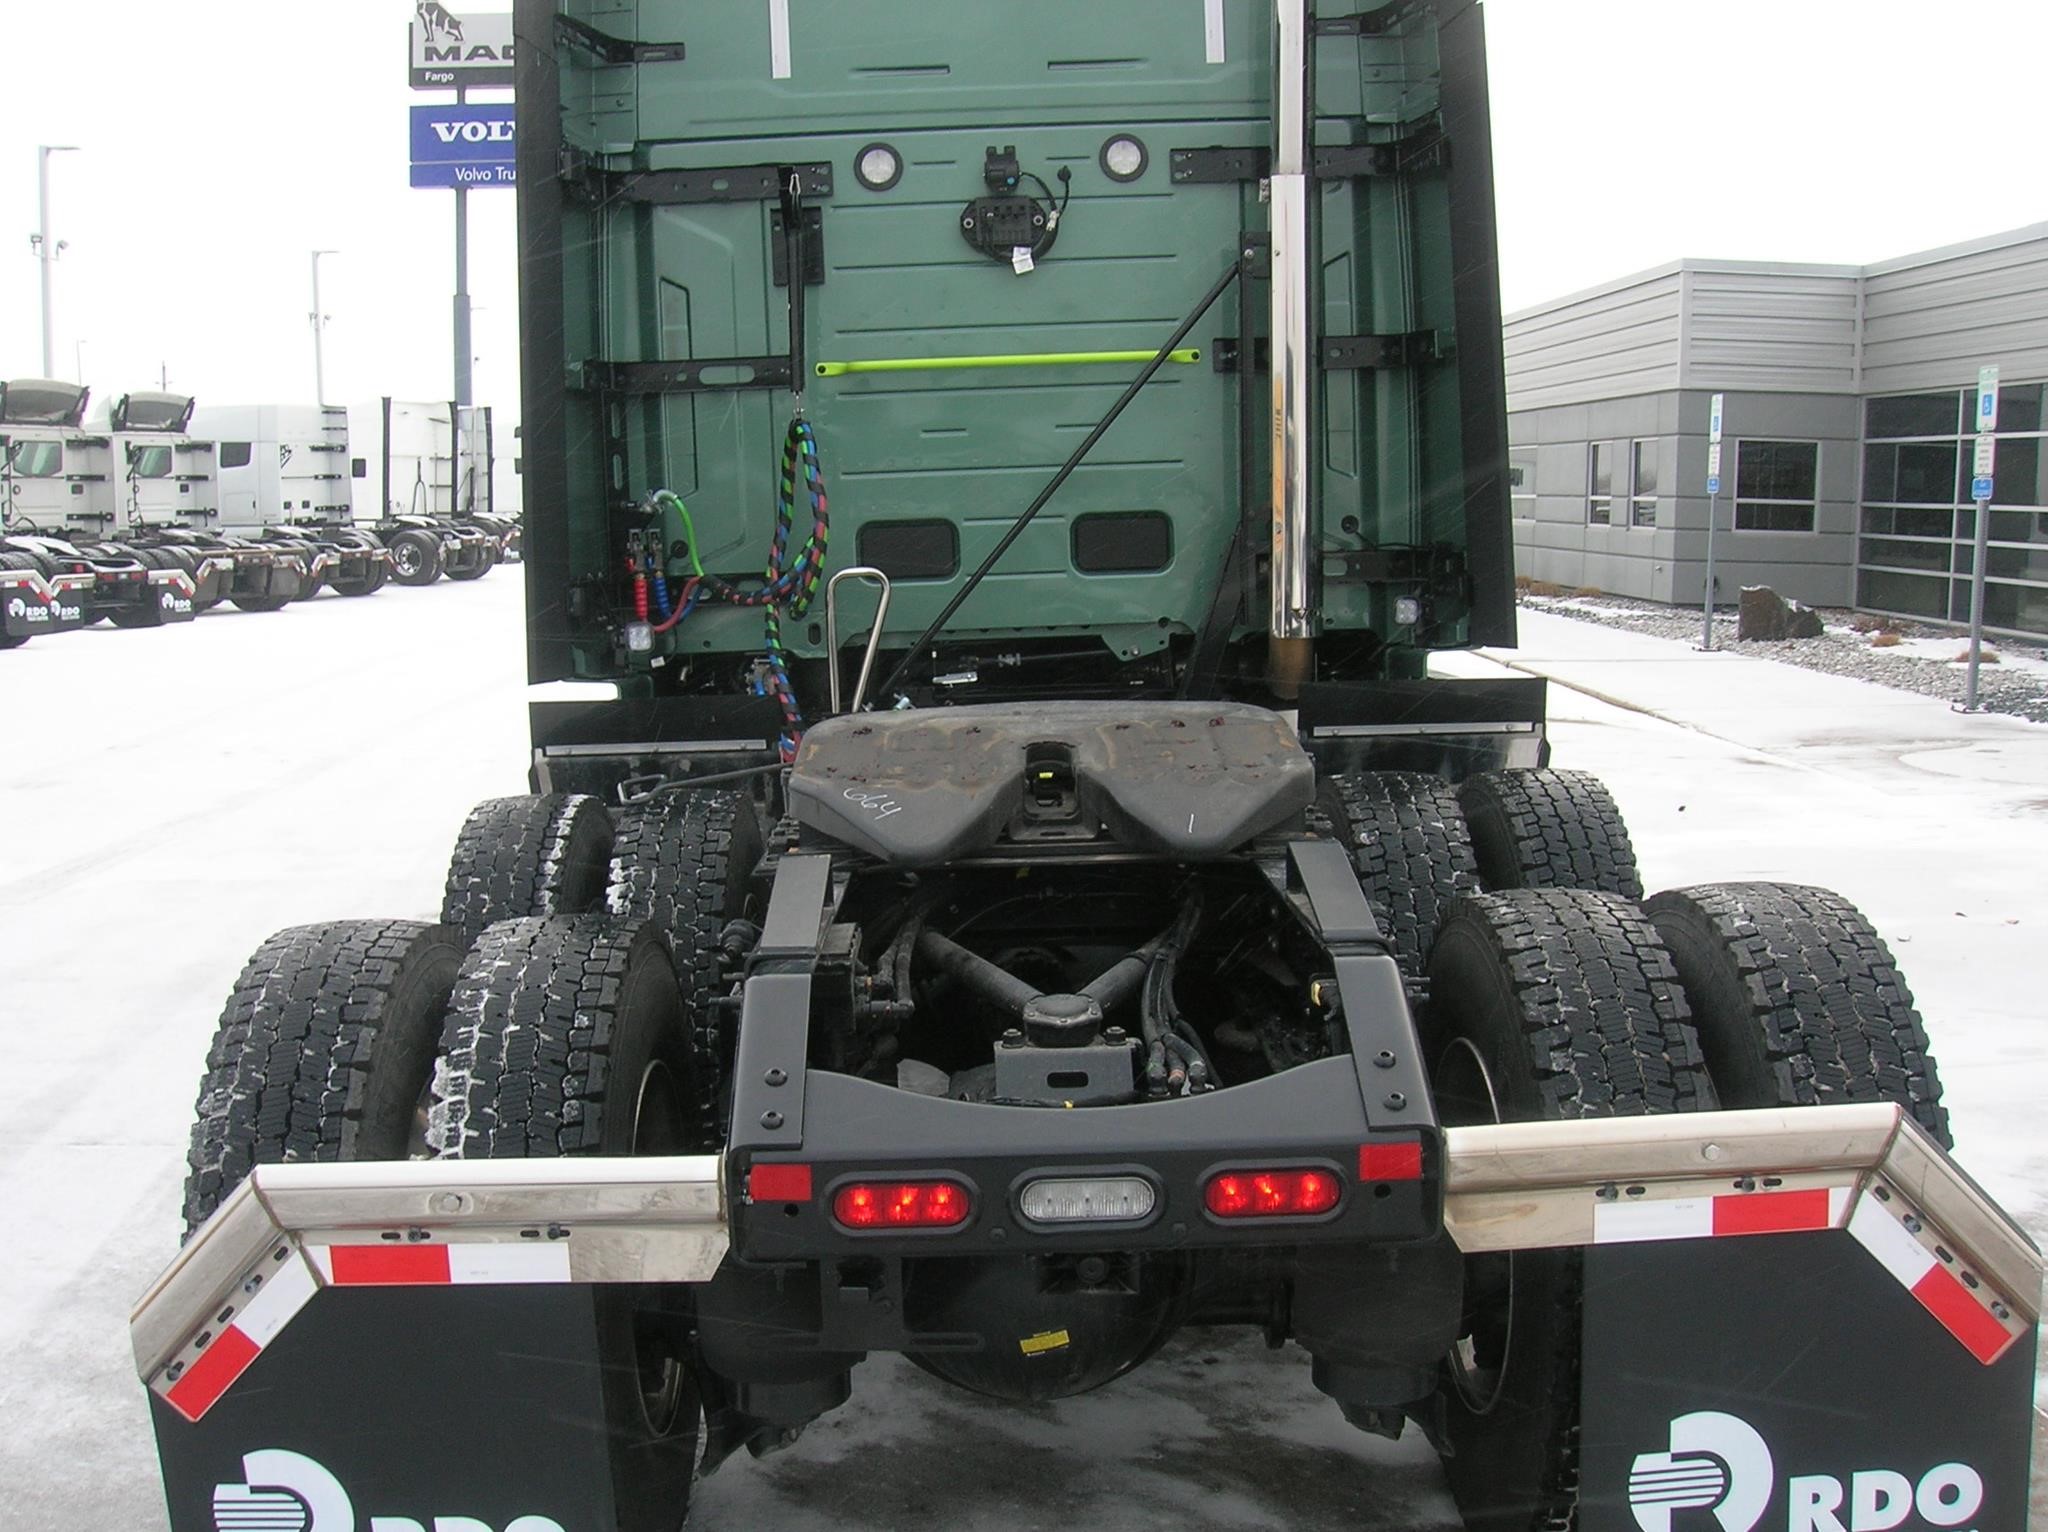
(613,50)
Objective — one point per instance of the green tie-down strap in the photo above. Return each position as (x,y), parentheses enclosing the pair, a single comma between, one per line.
(1187,355)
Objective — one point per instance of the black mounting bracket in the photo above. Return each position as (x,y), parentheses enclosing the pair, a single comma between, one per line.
(1195,167)
(1372,23)
(1338,353)
(1255,250)
(695,375)
(1424,149)
(814,248)
(613,50)
(667,188)
(1438,566)
(1362,353)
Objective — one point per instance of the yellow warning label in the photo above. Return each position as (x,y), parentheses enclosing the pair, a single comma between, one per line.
(1044,1341)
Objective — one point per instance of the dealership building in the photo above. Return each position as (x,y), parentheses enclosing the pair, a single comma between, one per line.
(1850,405)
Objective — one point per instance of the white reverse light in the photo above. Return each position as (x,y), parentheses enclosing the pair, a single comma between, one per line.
(1407,611)
(1123,158)
(1105,1199)
(879,167)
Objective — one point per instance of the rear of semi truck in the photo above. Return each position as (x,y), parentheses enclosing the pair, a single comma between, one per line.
(418,475)
(1014,893)
(285,477)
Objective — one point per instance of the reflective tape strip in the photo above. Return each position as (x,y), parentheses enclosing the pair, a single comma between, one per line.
(1212,30)
(1790,1212)
(778,39)
(227,1356)
(1965,1313)
(441,1265)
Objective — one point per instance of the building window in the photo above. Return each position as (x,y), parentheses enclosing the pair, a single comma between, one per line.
(235,454)
(1600,484)
(1642,473)
(1917,521)
(1522,485)
(1777,485)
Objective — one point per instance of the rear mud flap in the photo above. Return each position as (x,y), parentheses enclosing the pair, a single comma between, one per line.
(171,594)
(1797,1383)
(411,1407)
(31,607)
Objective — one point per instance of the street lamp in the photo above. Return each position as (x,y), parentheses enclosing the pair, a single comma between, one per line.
(319,324)
(47,250)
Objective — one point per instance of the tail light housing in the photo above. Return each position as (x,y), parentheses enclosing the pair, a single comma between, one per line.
(1305,1192)
(879,1207)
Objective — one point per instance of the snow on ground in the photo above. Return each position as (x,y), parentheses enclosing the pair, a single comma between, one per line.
(1916,657)
(171,797)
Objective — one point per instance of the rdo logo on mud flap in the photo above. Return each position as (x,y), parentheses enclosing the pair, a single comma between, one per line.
(1720,1464)
(289,1492)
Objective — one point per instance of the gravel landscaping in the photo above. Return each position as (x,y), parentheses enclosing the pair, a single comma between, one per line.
(1923,660)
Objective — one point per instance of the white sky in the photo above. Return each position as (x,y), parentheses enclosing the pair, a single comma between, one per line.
(225,140)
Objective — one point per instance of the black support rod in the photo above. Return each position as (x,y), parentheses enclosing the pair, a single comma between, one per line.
(967,587)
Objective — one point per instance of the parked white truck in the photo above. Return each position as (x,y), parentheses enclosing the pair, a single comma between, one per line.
(284,476)
(425,485)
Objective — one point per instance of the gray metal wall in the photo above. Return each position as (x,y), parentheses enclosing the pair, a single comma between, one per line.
(1606,343)
(1554,541)
(1931,320)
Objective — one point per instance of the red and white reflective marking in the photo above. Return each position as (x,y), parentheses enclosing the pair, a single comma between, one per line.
(1966,1313)
(195,1385)
(435,1265)
(1785,1212)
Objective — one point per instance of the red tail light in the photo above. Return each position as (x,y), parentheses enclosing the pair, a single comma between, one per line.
(1271,1193)
(901,1205)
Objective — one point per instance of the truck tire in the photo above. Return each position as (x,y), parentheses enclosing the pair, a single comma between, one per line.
(684,862)
(1549,829)
(1413,854)
(262,603)
(476,571)
(565,1037)
(415,557)
(323,1052)
(1798,1000)
(528,855)
(1546,1004)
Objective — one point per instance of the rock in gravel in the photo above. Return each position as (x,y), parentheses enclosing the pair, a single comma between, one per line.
(1803,621)
(1764,616)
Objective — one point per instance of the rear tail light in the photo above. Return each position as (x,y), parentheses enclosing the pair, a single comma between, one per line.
(1271,1193)
(1077,1199)
(882,1205)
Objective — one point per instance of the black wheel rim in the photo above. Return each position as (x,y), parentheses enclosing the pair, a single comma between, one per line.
(1479,1357)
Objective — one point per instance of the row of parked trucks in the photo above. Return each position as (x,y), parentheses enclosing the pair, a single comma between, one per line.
(155,509)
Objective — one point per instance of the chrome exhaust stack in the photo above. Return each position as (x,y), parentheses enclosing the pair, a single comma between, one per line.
(1291,627)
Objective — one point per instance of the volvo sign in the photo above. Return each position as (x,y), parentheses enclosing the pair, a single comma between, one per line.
(451,51)
(463,146)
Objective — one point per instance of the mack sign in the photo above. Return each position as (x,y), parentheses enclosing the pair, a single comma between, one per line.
(451,51)
(469,146)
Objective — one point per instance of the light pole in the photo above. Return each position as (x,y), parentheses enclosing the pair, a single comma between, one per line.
(319,324)
(46,248)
